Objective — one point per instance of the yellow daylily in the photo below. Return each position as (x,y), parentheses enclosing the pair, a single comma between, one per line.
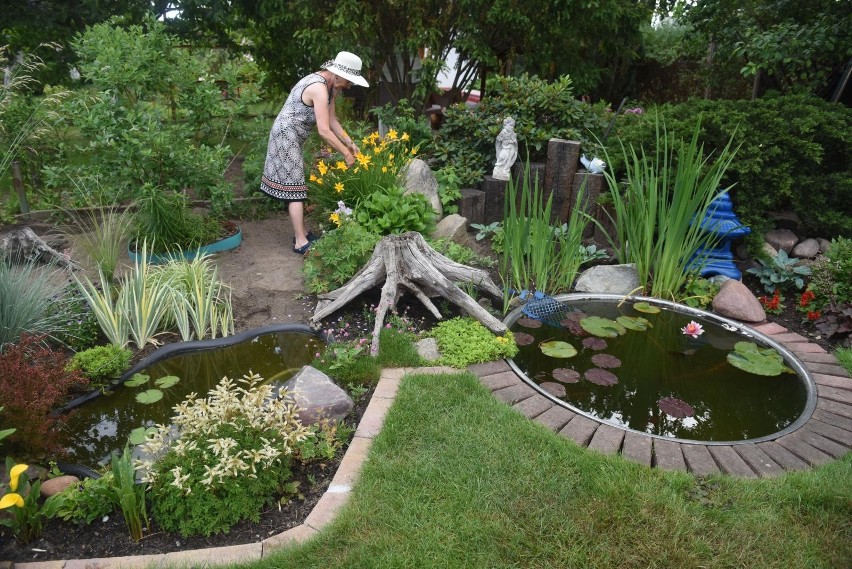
(413,151)
(335,217)
(405,136)
(313,178)
(341,165)
(390,156)
(363,160)
(322,168)
(319,181)
(338,187)
(384,168)
(14,474)
(11,499)
(392,134)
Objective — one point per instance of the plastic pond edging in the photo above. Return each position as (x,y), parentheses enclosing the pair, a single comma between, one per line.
(226,244)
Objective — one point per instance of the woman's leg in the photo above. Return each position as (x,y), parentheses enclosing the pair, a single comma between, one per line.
(296,209)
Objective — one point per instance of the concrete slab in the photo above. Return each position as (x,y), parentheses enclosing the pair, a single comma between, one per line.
(668,455)
(489,368)
(637,447)
(759,461)
(730,462)
(580,430)
(555,418)
(514,393)
(533,406)
(783,457)
(606,439)
(292,536)
(699,460)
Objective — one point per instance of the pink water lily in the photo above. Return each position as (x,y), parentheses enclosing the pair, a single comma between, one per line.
(693,329)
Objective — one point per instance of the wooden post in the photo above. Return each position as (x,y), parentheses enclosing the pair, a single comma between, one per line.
(18,182)
(562,159)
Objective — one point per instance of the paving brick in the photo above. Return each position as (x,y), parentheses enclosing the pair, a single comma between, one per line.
(805,348)
(838,435)
(374,417)
(834,394)
(292,536)
(819,358)
(129,562)
(435,370)
(835,407)
(828,369)
(499,380)
(844,423)
(699,460)
(794,443)
(822,443)
(758,460)
(786,459)
(555,417)
(607,439)
(832,381)
(637,447)
(326,509)
(730,462)
(533,406)
(580,429)
(668,455)
(245,553)
(394,373)
(514,393)
(789,338)
(387,387)
(489,368)
(350,466)
(770,328)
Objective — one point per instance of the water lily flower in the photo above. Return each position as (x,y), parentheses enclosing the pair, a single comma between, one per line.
(693,329)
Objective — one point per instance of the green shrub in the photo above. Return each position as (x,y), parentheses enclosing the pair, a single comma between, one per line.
(463,341)
(839,256)
(166,222)
(102,362)
(403,117)
(336,257)
(460,253)
(393,211)
(84,502)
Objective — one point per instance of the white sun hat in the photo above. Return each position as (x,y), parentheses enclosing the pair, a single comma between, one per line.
(348,66)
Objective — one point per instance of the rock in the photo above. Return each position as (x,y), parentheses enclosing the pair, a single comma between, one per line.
(452,227)
(53,486)
(428,349)
(824,244)
(770,251)
(741,251)
(420,179)
(317,397)
(735,300)
(807,249)
(612,279)
(781,239)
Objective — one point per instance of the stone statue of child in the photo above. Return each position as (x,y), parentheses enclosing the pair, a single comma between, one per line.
(507,149)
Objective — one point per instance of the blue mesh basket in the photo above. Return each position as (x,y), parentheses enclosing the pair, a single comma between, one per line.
(543,307)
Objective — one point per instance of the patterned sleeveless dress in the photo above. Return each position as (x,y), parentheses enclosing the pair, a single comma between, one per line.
(284,169)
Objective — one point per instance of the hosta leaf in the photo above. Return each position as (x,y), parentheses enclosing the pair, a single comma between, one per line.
(137,380)
(602,327)
(634,323)
(553,388)
(149,396)
(748,357)
(558,349)
(139,434)
(601,377)
(523,339)
(566,375)
(166,381)
(646,308)
(675,407)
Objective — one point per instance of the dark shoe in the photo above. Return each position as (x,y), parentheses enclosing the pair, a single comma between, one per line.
(303,249)
(311,237)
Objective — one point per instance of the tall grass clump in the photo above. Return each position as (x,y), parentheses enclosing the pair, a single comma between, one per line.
(656,204)
(101,234)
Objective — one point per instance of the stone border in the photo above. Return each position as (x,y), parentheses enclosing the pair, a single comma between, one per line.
(323,513)
(825,436)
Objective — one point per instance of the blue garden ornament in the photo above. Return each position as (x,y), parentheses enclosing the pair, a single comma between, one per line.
(721,221)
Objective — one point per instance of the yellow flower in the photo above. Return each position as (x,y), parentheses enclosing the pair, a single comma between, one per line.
(502,339)
(390,156)
(413,151)
(366,140)
(384,168)
(379,148)
(392,134)
(313,178)
(15,474)
(322,168)
(335,217)
(405,136)
(363,160)
(341,165)
(319,181)
(11,499)
(338,187)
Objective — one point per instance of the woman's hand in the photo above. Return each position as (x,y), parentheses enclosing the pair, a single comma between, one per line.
(349,159)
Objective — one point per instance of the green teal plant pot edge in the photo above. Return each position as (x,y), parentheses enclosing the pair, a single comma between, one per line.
(226,244)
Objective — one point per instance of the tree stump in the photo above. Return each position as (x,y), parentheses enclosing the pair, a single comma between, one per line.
(408,261)
(23,243)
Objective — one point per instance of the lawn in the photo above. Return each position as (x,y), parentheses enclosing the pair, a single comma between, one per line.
(457,479)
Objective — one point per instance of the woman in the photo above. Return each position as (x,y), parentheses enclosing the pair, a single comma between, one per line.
(310,102)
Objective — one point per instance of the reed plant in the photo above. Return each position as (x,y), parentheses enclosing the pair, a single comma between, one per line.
(102,301)
(659,207)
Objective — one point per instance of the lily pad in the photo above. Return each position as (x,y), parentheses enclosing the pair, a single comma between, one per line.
(602,327)
(575,316)
(606,360)
(600,376)
(646,308)
(149,396)
(595,343)
(748,357)
(140,434)
(675,407)
(574,327)
(166,381)
(523,339)
(553,388)
(566,375)
(529,322)
(137,380)
(558,349)
(634,323)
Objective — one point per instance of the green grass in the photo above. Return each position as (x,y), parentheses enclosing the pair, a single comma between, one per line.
(397,349)
(844,356)
(457,479)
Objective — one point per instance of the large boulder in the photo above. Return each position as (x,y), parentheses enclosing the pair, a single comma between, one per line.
(735,300)
(807,249)
(317,397)
(781,239)
(610,279)
(53,486)
(420,179)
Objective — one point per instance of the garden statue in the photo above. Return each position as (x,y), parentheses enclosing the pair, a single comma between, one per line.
(507,149)
(595,165)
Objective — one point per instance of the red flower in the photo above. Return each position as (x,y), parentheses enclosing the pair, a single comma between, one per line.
(813,315)
(806,298)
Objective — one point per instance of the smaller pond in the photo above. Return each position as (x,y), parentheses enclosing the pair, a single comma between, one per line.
(100,426)
(653,377)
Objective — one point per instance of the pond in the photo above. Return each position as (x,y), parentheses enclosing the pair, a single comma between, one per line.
(662,369)
(99,425)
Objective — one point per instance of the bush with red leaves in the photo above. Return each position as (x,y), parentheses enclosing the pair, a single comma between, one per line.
(34,382)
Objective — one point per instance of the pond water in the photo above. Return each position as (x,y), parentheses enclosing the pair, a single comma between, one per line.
(101,426)
(660,380)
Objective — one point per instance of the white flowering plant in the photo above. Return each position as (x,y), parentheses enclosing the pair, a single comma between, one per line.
(230,457)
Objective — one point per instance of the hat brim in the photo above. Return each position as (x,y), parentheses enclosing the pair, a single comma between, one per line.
(356,79)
